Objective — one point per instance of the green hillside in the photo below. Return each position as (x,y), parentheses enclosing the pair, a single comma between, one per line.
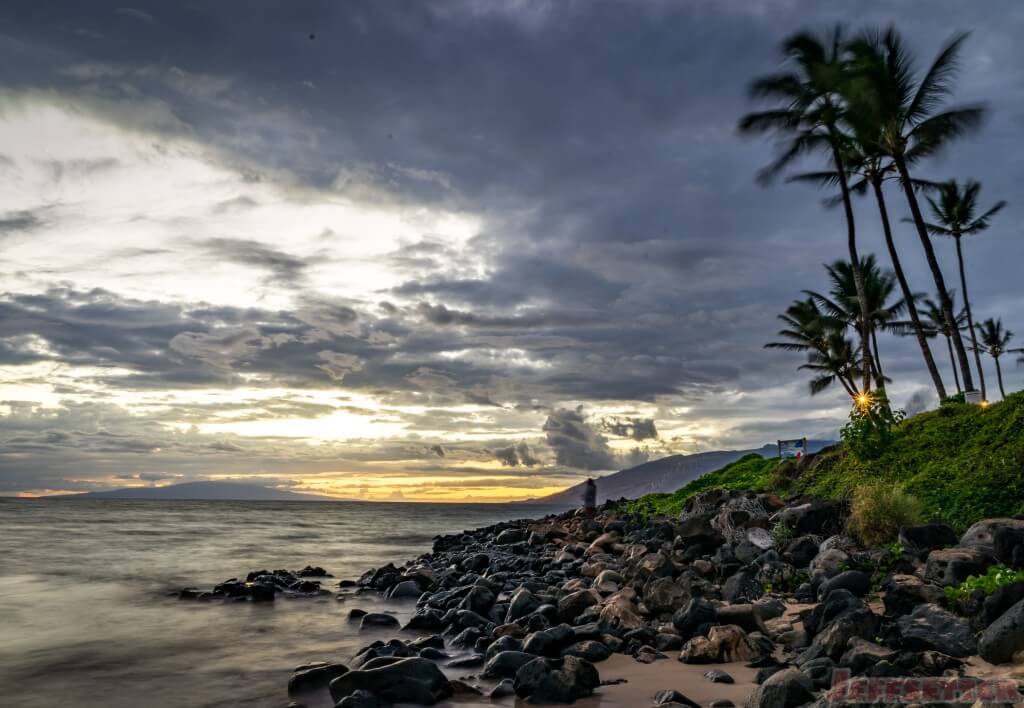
(962,461)
(749,472)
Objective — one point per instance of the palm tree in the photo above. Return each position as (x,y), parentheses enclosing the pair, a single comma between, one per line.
(911,127)
(874,168)
(842,305)
(836,361)
(809,120)
(956,216)
(994,340)
(808,329)
(935,324)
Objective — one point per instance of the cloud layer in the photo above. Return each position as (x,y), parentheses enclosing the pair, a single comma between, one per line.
(448,249)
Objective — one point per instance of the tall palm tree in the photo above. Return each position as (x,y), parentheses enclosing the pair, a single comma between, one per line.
(911,127)
(956,216)
(874,168)
(842,303)
(994,340)
(808,329)
(809,120)
(935,325)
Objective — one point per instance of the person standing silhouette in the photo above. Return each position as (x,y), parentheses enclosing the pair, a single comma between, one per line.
(589,497)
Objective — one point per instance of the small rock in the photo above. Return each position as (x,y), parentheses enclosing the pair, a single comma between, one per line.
(717,676)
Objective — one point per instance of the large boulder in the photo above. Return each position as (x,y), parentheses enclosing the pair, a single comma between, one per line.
(902,593)
(588,649)
(922,539)
(787,688)
(697,614)
(931,627)
(620,614)
(863,654)
(1003,640)
(664,595)
(981,536)
(834,638)
(556,680)
(855,581)
(952,566)
(523,602)
(314,677)
(1008,546)
(821,518)
(506,664)
(723,644)
(412,680)
(572,605)
(742,587)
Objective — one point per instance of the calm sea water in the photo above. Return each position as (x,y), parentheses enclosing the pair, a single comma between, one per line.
(85,619)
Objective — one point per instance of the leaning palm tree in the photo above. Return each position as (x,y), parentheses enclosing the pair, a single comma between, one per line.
(809,119)
(842,302)
(836,362)
(993,341)
(956,216)
(829,354)
(911,127)
(935,325)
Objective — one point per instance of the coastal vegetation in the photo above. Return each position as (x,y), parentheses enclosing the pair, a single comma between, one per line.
(961,463)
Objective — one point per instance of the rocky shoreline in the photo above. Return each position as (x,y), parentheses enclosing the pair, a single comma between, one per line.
(532,608)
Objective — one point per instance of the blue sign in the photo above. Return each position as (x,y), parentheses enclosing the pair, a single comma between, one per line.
(792,449)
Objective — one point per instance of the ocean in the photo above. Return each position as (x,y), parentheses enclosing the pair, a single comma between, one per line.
(85,613)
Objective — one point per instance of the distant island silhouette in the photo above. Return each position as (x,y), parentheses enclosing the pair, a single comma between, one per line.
(196,491)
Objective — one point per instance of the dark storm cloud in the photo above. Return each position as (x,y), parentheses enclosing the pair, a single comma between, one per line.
(636,428)
(576,443)
(17,221)
(281,268)
(516,455)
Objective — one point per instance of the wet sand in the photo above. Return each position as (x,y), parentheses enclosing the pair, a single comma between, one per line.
(642,682)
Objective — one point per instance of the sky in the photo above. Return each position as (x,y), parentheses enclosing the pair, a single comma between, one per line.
(438,250)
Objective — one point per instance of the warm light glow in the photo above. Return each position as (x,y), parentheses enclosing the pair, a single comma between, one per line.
(863,399)
(984,404)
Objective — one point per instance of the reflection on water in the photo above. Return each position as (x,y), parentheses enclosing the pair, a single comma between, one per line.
(85,616)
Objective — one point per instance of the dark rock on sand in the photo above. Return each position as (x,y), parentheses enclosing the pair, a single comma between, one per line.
(931,627)
(313,677)
(411,680)
(556,680)
(1003,641)
(671,697)
(788,688)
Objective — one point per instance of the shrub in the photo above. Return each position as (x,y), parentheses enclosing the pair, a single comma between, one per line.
(869,431)
(878,510)
(996,577)
(782,533)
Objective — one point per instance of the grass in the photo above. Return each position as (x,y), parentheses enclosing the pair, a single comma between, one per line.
(751,472)
(962,462)
(878,510)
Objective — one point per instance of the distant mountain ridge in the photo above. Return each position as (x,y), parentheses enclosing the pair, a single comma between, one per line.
(198,491)
(664,475)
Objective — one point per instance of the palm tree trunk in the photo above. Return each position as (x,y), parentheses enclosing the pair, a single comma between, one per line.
(952,364)
(858,274)
(908,296)
(879,374)
(970,317)
(933,265)
(999,376)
